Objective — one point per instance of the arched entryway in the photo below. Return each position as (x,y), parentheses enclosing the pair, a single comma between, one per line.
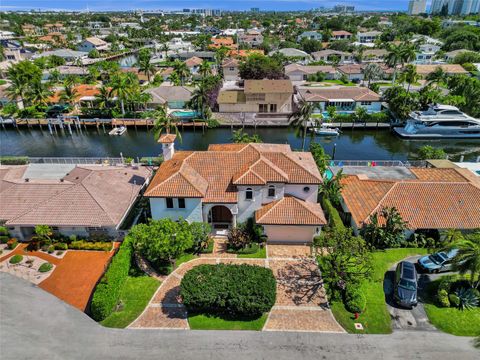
(220,217)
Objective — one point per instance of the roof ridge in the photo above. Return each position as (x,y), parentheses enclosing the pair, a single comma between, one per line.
(303,203)
(272,165)
(94,199)
(381,200)
(300,165)
(272,206)
(248,171)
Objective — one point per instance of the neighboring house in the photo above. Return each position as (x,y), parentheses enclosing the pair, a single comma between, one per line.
(86,95)
(175,97)
(80,200)
(177,45)
(204,55)
(165,73)
(31,30)
(426,53)
(93,43)
(374,55)
(430,199)
(252,37)
(450,69)
(341,35)
(66,54)
(193,64)
(354,72)
(66,71)
(310,35)
(218,42)
(244,53)
(231,69)
(294,54)
(297,72)
(230,183)
(332,56)
(450,56)
(368,37)
(258,96)
(54,28)
(345,98)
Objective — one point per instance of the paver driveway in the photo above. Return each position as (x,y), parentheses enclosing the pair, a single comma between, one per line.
(300,304)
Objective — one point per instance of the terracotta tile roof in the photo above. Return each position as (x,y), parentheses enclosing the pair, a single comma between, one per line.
(268,86)
(90,196)
(437,199)
(310,69)
(345,92)
(245,53)
(193,61)
(448,68)
(290,211)
(214,174)
(230,63)
(82,91)
(167,138)
(340,32)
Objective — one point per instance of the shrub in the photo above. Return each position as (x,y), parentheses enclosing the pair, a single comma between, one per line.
(15,259)
(334,219)
(51,249)
(12,243)
(107,292)
(467,298)
(3,231)
(14,160)
(3,239)
(45,267)
(253,230)
(355,301)
(443,299)
(61,246)
(454,300)
(200,232)
(238,290)
(237,239)
(88,245)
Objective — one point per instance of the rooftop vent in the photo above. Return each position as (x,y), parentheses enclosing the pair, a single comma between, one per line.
(27,179)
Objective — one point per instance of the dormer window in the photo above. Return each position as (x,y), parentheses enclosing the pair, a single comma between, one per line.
(249,194)
(271,191)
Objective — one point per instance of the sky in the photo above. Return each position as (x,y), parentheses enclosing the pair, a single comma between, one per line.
(281,5)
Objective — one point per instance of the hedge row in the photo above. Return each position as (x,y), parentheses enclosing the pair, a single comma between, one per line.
(235,290)
(88,245)
(107,292)
(334,219)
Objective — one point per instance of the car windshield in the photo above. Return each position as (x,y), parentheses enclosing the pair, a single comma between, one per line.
(407,284)
(438,258)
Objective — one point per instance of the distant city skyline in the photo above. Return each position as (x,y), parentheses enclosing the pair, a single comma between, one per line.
(280,5)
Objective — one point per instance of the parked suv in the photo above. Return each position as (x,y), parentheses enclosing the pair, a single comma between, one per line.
(441,261)
(405,284)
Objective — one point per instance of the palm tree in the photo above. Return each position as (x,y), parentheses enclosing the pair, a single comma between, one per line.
(174,79)
(393,59)
(69,94)
(104,97)
(301,117)
(332,113)
(181,69)
(372,72)
(331,188)
(145,65)
(122,85)
(467,260)
(54,76)
(410,75)
(199,98)
(165,49)
(360,114)
(18,87)
(39,93)
(437,77)
(205,69)
(164,122)
(408,53)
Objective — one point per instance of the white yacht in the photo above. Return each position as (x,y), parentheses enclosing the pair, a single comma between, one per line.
(440,121)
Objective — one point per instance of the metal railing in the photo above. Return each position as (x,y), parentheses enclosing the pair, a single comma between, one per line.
(406,163)
(76,160)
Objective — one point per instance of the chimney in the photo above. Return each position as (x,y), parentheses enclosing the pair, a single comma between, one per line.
(168,145)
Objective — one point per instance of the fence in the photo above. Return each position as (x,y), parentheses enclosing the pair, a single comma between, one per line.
(76,160)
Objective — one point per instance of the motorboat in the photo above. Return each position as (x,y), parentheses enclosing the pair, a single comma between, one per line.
(325,130)
(117,131)
(440,121)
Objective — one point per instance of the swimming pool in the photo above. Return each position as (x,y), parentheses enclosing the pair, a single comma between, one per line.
(185,114)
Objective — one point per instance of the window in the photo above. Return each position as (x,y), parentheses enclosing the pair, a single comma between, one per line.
(249,194)
(271,191)
(263,108)
(366,103)
(181,203)
(306,189)
(231,68)
(169,203)
(273,108)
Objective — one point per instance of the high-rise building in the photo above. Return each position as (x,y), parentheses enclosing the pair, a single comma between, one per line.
(470,7)
(455,7)
(343,8)
(416,7)
(437,6)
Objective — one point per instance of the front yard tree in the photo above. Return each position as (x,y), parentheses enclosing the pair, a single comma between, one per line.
(346,260)
(389,232)
(43,232)
(162,240)
(467,259)
(261,67)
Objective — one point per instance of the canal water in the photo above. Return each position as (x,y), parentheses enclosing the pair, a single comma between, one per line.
(351,144)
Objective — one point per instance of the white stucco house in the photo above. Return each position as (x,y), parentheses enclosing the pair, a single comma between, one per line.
(230,183)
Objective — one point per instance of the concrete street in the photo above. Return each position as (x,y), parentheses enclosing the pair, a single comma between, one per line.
(35,324)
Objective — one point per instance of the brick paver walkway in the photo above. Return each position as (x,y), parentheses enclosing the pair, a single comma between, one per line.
(288,251)
(301,303)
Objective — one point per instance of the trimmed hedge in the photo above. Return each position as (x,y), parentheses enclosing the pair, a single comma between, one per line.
(355,300)
(89,245)
(334,219)
(235,290)
(107,292)
(45,267)
(13,160)
(15,259)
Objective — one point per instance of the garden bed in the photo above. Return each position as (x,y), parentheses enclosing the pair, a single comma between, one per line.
(252,250)
(27,267)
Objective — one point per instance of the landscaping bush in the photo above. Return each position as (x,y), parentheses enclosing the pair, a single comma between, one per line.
(107,292)
(236,290)
(51,249)
(253,230)
(60,246)
(45,267)
(13,160)
(237,239)
(87,245)
(15,259)
(3,231)
(466,298)
(334,219)
(354,300)
(454,300)
(443,298)
(12,243)
(3,239)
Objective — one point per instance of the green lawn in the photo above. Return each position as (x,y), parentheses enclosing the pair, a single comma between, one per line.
(135,295)
(261,253)
(339,82)
(210,322)
(375,319)
(452,320)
